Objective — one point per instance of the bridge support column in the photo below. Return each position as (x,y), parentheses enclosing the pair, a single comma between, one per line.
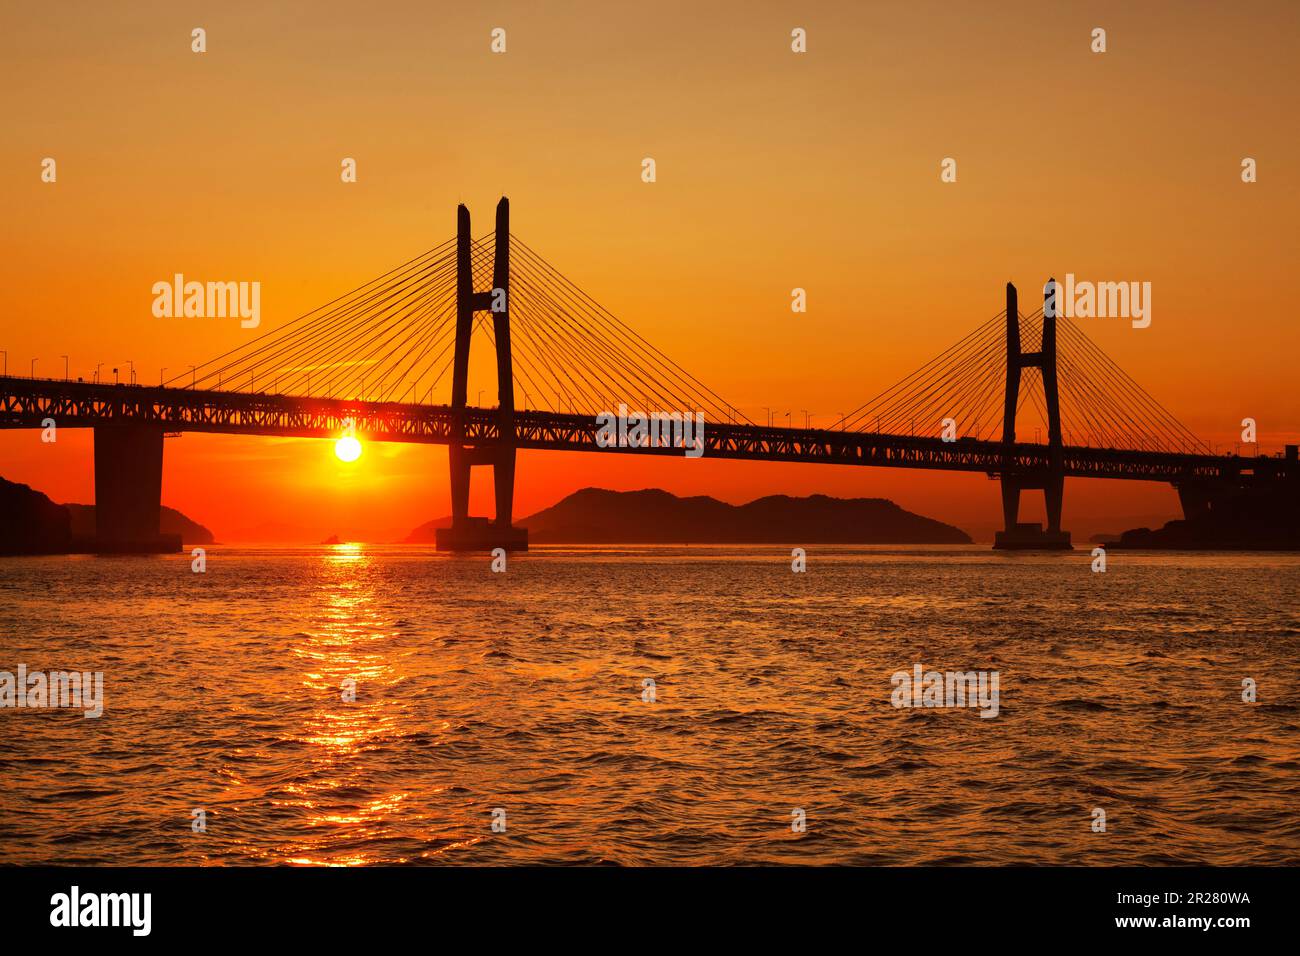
(1054,493)
(1195,499)
(1017,535)
(128,491)
(503,477)
(460,473)
(1010,503)
(468,533)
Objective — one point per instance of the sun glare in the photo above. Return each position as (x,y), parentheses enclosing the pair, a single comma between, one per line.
(347,448)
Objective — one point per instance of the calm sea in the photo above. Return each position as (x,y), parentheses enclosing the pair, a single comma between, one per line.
(520,698)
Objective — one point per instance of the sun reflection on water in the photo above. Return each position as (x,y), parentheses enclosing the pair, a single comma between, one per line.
(350,640)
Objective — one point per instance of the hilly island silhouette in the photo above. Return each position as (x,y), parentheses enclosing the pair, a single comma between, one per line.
(31,523)
(654,516)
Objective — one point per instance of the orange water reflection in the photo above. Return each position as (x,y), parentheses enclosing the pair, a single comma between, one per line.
(341,790)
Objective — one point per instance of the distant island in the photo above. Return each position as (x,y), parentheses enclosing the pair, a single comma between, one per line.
(1276,534)
(654,516)
(30,523)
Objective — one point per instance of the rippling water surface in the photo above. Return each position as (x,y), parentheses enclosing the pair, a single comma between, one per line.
(523,691)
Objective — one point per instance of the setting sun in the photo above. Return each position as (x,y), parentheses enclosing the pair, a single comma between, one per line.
(347,448)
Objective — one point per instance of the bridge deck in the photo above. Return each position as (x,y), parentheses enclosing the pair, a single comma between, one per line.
(27,403)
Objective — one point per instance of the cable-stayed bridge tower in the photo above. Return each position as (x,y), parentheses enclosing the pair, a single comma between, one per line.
(467,533)
(1015,534)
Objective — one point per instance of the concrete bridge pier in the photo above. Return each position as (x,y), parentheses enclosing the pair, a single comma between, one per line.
(128,491)
(1031,536)
(1235,511)
(479,534)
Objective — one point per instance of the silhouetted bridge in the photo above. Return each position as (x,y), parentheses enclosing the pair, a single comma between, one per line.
(379,353)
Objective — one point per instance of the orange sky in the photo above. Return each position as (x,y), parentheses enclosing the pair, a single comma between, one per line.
(775,170)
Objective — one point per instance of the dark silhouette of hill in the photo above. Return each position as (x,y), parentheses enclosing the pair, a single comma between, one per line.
(653,516)
(30,523)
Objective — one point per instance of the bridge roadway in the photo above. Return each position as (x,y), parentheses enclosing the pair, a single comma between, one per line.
(27,403)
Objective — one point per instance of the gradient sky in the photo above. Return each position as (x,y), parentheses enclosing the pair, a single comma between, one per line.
(775,170)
